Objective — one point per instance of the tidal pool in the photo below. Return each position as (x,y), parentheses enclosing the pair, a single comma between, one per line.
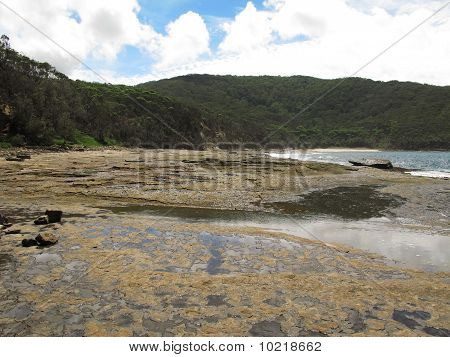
(354,216)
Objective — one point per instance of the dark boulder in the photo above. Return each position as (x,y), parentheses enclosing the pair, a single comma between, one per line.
(11,231)
(13,158)
(54,216)
(376,163)
(29,243)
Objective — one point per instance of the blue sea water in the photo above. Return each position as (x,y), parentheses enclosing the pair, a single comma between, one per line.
(427,163)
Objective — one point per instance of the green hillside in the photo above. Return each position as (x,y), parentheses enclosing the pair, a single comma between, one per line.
(358,112)
(40,106)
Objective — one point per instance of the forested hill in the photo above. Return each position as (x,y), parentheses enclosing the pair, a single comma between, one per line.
(40,106)
(358,112)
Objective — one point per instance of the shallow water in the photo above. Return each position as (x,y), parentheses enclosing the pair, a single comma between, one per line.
(356,202)
(430,163)
(404,246)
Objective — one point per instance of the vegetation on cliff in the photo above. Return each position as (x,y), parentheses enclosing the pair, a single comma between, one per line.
(359,112)
(40,106)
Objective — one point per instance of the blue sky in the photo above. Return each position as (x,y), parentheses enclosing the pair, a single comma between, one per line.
(159,13)
(168,38)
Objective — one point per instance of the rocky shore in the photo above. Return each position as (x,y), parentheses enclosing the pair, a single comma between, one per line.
(117,273)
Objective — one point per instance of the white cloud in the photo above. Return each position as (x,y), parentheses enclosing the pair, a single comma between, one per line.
(187,39)
(250,30)
(103,29)
(340,39)
(341,36)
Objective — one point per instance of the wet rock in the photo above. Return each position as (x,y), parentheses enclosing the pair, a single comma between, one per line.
(3,220)
(13,158)
(11,231)
(46,258)
(437,332)
(348,202)
(29,243)
(54,216)
(376,163)
(404,317)
(46,238)
(267,329)
(19,312)
(216,300)
(6,261)
(23,155)
(41,220)
(157,326)
(418,314)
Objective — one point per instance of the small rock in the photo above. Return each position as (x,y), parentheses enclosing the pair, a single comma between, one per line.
(376,163)
(46,238)
(23,156)
(437,332)
(54,216)
(41,220)
(29,243)
(13,158)
(11,231)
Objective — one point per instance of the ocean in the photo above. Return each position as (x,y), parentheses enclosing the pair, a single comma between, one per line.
(421,163)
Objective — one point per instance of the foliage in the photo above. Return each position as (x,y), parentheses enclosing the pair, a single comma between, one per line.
(40,106)
(358,112)
(46,108)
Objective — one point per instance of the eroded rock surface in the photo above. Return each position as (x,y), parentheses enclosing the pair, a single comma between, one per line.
(126,274)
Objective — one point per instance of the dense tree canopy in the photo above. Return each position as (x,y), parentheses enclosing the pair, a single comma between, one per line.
(359,112)
(40,106)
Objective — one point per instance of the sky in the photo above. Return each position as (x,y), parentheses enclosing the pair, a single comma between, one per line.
(134,41)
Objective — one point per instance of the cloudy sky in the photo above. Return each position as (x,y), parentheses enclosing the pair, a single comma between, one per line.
(132,41)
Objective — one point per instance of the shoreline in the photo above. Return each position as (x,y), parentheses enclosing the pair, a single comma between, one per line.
(195,277)
(411,169)
(331,150)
